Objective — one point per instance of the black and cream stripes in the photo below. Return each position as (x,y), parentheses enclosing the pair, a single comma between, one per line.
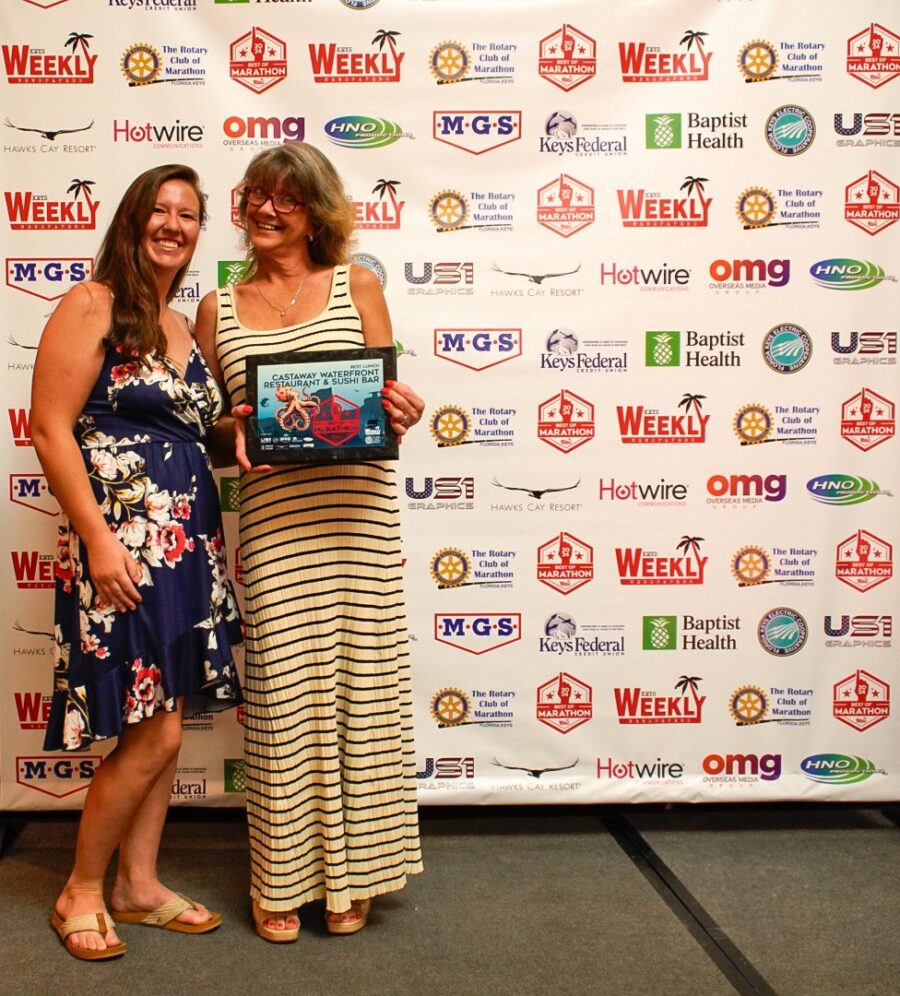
(330,760)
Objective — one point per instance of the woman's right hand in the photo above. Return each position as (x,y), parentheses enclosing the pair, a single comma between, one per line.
(240,413)
(115,574)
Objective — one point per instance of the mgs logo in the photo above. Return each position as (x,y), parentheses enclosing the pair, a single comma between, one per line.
(861,700)
(477,131)
(566,421)
(258,60)
(641,209)
(565,206)
(565,563)
(47,278)
(872,202)
(478,633)
(873,55)
(864,561)
(564,703)
(58,775)
(23,64)
(479,348)
(32,491)
(567,58)
(867,419)
(642,63)
(28,212)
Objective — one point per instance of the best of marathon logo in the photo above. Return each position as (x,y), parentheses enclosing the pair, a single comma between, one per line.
(861,700)
(565,206)
(643,63)
(872,202)
(47,278)
(641,208)
(333,63)
(636,565)
(564,703)
(864,561)
(638,424)
(258,60)
(637,706)
(565,563)
(23,64)
(565,421)
(867,419)
(568,58)
(28,211)
(873,55)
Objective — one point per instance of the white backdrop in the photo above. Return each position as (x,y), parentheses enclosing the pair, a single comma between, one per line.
(642,265)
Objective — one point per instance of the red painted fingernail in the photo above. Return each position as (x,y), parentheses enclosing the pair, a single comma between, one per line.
(246,409)
(385,404)
(385,390)
(389,383)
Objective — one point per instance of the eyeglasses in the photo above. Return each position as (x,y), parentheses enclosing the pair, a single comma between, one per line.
(283,203)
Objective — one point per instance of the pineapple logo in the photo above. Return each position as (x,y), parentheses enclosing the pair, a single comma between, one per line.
(663,349)
(663,131)
(660,632)
(232,271)
(235,775)
(230,494)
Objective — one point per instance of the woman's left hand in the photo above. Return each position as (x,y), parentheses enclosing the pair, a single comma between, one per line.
(403,405)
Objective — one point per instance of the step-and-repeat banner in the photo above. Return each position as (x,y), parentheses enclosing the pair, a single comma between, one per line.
(642,263)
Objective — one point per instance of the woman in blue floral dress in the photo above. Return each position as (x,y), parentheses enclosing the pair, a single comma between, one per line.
(122,407)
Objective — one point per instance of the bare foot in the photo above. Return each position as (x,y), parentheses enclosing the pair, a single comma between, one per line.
(75,901)
(131,897)
(350,920)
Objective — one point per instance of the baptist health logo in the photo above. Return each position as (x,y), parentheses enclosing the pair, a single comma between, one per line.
(660,633)
(663,131)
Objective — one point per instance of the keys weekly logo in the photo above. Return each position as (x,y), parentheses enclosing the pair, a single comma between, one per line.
(642,63)
(32,569)
(639,566)
(382,213)
(332,63)
(24,64)
(638,424)
(28,211)
(638,706)
(640,208)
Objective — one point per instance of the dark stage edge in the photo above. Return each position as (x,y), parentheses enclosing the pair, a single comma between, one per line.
(780,899)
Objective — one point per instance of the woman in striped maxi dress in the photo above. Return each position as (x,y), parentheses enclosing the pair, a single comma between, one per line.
(330,763)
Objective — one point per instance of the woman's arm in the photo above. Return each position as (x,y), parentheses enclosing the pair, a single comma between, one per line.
(220,439)
(69,360)
(403,405)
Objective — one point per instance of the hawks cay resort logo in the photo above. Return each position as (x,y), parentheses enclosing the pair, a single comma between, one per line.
(795,208)
(786,348)
(861,700)
(872,202)
(640,208)
(660,632)
(535,279)
(873,55)
(752,705)
(452,567)
(47,278)
(565,421)
(181,65)
(840,273)
(855,348)
(563,351)
(794,425)
(867,419)
(737,275)
(382,212)
(638,706)
(28,211)
(452,494)
(664,348)
(864,561)
(665,130)
(853,632)
(257,60)
(636,565)
(452,425)
(332,63)
(869,130)
(565,206)
(24,64)
(536,496)
(436,278)
(790,130)
(487,210)
(565,135)
(48,146)
(563,636)
(474,62)
(639,424)
(643,63)
(761,61)
(477,348)
(567,57)
(753,565)
(477,131)
(250,133)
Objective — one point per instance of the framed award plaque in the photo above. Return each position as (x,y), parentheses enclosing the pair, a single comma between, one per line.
(320,406)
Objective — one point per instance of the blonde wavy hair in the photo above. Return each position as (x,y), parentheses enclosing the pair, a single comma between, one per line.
(302,171)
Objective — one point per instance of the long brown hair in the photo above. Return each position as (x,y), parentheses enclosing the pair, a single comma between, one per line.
(302,171)
(123,266)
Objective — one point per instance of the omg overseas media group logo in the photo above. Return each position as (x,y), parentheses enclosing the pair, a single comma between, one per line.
(251,133)
(26,65)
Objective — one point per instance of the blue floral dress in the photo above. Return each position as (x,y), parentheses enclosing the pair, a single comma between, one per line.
(142,438)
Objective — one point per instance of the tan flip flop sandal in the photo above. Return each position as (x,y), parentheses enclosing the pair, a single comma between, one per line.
(164,917)
(94,922)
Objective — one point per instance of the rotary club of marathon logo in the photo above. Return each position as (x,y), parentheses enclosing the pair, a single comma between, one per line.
(867,419)
(872,202)
(566,421)
(568,58)
(565,563)
(565,206)
(864,561)
(758,61)
(451,62)
(754,424)
(258,60)
(873,55)
(861,700)
(752,565)
(144,65)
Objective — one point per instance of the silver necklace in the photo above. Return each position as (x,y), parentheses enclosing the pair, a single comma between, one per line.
(288,306)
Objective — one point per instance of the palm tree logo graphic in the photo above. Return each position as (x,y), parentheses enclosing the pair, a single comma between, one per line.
(689,401)
(388,187)
(692,183)
(693,36)
(77,38)
(382,37)
(79,187)
(691,682)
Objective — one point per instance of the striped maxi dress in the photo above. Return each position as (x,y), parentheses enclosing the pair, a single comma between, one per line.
(330,759)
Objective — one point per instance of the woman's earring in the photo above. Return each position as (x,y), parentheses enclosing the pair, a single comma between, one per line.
(310,237)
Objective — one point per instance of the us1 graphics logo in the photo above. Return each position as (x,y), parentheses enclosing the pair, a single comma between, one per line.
(861,700)
(440,278)
(875,130)
(875,348)
(643,63)
(859,631)
(449,493)
(568,57)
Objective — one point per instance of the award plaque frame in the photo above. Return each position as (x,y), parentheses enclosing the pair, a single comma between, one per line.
(320,406)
